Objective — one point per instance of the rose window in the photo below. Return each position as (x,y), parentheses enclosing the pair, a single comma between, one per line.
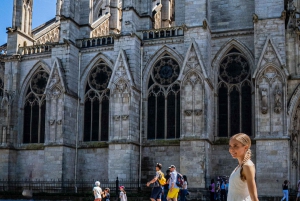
(99,77)
(166,71)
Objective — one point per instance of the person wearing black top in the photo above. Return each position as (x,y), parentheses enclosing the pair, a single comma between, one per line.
(166,186)
(285,189)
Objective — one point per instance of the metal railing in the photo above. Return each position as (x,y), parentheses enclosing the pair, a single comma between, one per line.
(68,186)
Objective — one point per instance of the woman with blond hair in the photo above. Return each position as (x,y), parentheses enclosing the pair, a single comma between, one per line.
(242,183)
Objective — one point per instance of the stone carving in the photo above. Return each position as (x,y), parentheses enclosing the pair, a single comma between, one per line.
(117,117)
(277,100)
(121,87)
(269,54)
(59,122)
(49,37)
(125,117)
(102,29)
(188,112)
(51,122)
(264,100)
(255,18)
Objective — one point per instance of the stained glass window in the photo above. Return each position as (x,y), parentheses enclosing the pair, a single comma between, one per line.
(35,109)
(234,95)
(164,100)
(96,105)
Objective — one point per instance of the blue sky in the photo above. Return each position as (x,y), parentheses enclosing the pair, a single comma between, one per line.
(43,10)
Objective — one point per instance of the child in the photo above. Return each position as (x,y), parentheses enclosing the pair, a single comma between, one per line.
(106,195)
(123,196)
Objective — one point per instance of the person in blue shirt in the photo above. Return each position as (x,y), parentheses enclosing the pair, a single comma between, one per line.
(223,191)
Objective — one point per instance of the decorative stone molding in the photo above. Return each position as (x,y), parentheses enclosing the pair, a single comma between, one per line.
(125,117)
(117,117)
(95,41)
(7,58)
(51,122)
(188,112)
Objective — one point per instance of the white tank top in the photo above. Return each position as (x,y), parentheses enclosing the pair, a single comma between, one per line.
(238,189)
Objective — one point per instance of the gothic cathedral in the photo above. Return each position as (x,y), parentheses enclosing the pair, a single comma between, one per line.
(127,84)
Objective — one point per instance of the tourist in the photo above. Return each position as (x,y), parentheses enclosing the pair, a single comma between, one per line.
(184,191)
(173,188)
(166,186)
(123,196)
(212,190)
(223,191)
(242,179)
(285,190)
(97,191)
(106,195)
(157,188)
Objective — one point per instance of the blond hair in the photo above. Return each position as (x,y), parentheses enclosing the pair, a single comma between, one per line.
(246,141)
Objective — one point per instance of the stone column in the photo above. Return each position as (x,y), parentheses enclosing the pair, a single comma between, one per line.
(193,162)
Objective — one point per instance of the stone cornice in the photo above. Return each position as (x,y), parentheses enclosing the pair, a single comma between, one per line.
(7,58)
(123,141)
(272,138)
(220,34)
(36,56)
(96,49)
(161,41)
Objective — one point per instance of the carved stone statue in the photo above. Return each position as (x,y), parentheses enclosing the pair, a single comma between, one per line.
(277,100)
(264,100)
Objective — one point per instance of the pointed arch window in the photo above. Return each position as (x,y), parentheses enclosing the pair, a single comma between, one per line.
(234,95)
(164,100)
(35,109)
(96,104)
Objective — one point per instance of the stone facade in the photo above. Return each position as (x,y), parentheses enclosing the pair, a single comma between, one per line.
(151,75)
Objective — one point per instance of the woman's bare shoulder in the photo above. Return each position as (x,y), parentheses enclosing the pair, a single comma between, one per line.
(249,163)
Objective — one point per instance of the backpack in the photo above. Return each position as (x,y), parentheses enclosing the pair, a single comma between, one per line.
(210,187)
(161,179)
(179,180)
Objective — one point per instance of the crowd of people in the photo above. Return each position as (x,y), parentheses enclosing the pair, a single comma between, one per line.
(219,190)
(171,189)
(240,187)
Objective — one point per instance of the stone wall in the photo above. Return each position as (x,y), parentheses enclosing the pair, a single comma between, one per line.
(231,14)
(123,161)
(31,165)
(272,166)
(93,161)
(193,160)
(166,155)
